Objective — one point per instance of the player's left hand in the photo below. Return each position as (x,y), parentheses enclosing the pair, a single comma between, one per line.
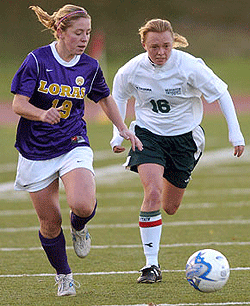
(135,141)
(238,150)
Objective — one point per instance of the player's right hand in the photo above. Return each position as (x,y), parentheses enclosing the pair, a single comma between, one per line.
(238,150)
(52,115)
(118,149)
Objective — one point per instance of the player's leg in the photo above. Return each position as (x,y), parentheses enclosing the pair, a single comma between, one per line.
(46,204)
(80,189)
(171,197)
(150,221)
(189,148)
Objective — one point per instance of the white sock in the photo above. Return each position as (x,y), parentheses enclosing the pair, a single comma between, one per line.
(150,229)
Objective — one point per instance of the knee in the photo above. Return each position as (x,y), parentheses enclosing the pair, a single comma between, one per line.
(171,209)
(154,193)
(83,209)
(152,197)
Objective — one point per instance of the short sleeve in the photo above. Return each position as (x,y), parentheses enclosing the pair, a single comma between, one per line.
(99,89)
(25,79)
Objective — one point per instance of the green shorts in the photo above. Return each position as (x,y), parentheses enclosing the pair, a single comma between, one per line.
(177,154)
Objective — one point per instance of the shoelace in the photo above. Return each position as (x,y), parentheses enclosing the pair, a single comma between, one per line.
(64,278)
(82,239)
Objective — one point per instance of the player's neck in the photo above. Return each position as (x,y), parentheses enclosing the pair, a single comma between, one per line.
(63,52)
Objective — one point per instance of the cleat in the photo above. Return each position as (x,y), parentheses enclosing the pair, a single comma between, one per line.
(81,241)
(66,284)
(150,274)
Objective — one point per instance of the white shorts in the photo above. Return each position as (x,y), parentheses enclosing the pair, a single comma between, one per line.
(35,175)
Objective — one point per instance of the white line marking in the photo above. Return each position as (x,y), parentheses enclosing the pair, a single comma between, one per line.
(111,174)
(135,225)
(11,167)
(189,304)
(6,186)
(134,246)
(208,158)
(107,273)
(98,155)
(119,209)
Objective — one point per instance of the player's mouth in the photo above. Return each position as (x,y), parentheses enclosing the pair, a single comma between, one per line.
(160,60)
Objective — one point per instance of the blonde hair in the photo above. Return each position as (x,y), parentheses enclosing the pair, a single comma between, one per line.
(159,25)
(61,18)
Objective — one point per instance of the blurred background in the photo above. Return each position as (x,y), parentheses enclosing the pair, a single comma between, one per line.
(217,31)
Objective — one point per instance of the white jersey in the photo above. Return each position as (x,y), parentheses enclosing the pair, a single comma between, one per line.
(168,97)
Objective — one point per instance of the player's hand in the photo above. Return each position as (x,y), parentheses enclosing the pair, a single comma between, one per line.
(118,149)
(52,115)
(238,150)
(135,141)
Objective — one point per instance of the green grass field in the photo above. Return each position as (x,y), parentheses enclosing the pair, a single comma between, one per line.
(214,214)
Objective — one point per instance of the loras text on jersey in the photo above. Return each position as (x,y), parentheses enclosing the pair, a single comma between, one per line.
(62,90)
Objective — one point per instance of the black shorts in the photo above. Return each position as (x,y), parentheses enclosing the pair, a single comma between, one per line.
(177,154)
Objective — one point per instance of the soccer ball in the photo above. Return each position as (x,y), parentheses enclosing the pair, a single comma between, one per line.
(207,270)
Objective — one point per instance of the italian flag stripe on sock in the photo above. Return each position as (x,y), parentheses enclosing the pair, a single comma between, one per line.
(150,219)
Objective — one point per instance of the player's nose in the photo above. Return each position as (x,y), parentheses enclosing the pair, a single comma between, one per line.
(161,50)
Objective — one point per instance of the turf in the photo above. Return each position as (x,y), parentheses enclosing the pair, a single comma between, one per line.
(214,214)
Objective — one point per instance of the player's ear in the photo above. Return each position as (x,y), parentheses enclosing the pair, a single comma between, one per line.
(59,32)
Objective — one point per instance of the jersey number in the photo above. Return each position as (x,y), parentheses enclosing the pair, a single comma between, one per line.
(67,105)
(160,106)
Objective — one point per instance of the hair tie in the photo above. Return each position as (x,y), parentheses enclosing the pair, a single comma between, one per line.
(70,14)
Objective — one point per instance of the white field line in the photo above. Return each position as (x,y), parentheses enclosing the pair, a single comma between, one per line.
(188,304)
(119,209)
(7,193)
(107,273)
(135,225)
(98,155)
(210,158)
(138,246)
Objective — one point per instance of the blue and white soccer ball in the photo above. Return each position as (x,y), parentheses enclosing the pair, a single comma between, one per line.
(207,270)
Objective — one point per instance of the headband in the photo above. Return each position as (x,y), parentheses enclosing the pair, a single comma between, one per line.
(70,14)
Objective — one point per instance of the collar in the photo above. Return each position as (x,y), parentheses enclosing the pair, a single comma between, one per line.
(71,63)
(168,65)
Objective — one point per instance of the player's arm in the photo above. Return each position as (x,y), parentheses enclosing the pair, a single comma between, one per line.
(111,110)
(116,141)
(22,107)
(235,135)
(121,94)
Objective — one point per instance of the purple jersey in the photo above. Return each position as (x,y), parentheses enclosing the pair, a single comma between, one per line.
(51,82)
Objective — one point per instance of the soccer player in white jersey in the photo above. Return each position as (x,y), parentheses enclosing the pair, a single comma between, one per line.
(167,85)
(52,141)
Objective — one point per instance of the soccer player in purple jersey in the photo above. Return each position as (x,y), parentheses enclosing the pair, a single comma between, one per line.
(49,90)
